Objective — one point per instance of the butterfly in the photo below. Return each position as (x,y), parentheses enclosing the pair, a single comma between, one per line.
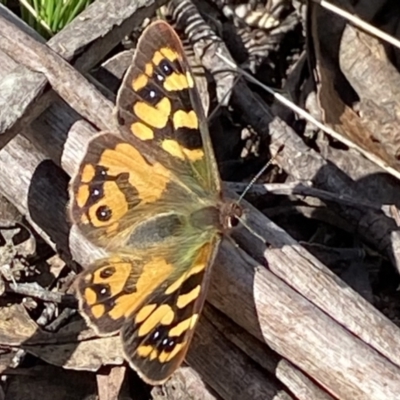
(150,195)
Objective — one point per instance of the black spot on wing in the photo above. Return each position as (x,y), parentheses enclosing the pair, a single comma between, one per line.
(189,138)
(151,94)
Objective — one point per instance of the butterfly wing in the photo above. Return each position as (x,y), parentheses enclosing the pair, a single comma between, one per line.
(159,104)
(117,185)
(155,307)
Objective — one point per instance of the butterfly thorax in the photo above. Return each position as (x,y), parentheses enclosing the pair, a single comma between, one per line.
(205,221)
(221,217)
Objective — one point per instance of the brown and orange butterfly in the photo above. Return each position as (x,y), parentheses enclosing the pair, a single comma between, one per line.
(150,194)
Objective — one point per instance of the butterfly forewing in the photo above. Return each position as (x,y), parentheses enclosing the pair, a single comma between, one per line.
(156,337)
(159,104)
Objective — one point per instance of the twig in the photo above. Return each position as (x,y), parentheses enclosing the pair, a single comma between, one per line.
(36,291)
(359,22)
(300,189)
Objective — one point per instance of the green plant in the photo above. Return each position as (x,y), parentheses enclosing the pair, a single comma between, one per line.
(50,16)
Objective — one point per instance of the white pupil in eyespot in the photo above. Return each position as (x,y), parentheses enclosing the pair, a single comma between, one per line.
(152,94)
(166,68)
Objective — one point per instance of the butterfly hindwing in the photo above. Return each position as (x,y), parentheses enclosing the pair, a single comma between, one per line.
(157,337)
(113,288)
(153,304)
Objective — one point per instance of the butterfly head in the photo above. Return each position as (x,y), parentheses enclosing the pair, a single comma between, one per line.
(230,214)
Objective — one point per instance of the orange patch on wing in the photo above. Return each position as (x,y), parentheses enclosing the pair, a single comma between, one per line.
(183,326)
(142,131)
(88,173)
(98,310)
(173,147)
(121,308)
(148,69)
(140,82)
(176,285)
(162,315)
(194,319)
(183,119)
(156,116)
(90,296)
(163,53)
(126,158)
(144,351)
(176,82)
(153,355)
(176,150)
(194,155)
(155,272)
(157,58)
(185,299)
(190,79)
(82,195)
(144,312)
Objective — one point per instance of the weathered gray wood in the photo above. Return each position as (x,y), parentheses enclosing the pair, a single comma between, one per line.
(238,377)
(184,383)
(294,327)
(321,286)
(301,386)
(97,30)
(61,75)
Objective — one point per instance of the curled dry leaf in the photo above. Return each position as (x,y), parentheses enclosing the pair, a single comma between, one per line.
(351,67)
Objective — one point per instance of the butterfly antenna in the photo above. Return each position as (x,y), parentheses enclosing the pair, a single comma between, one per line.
(259,173)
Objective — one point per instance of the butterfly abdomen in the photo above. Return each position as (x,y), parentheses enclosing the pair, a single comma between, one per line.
(153,231)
